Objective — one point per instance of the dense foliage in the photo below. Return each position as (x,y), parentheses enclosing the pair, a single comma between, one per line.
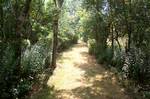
(119,35)
(26,28)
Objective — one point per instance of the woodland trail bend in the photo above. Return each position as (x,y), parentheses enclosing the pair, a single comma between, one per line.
(78,76)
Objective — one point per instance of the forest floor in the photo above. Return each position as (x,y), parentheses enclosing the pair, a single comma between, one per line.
(78,76)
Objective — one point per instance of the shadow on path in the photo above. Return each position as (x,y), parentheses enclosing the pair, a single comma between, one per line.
(78,76)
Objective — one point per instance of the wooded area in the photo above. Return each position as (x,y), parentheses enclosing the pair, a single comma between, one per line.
(34,32)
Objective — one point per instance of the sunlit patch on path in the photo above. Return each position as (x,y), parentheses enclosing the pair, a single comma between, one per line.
(78,76)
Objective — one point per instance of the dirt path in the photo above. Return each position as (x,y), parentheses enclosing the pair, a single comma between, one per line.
(78,76)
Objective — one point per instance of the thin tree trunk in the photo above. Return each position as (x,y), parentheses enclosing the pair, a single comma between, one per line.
(55,41)
(111,27)
(129,28)
(58,5)
(112,40)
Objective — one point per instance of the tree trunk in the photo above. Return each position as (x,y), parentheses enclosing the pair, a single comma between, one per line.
(112,40)
(55,41)
(58,5)
(129,28)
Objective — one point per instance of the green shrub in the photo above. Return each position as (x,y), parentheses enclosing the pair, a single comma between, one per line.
(66,40)
(137,66)
(23,87)
(105,56)
(92,46)
(33,59)
(118,58)
(102,55)
(147,95)
(32,64)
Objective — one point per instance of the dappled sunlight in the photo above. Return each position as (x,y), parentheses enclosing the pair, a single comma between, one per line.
(78,76)
(66,78)
(67,75)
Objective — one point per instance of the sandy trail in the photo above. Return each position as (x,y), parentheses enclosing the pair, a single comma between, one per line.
(78,76)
